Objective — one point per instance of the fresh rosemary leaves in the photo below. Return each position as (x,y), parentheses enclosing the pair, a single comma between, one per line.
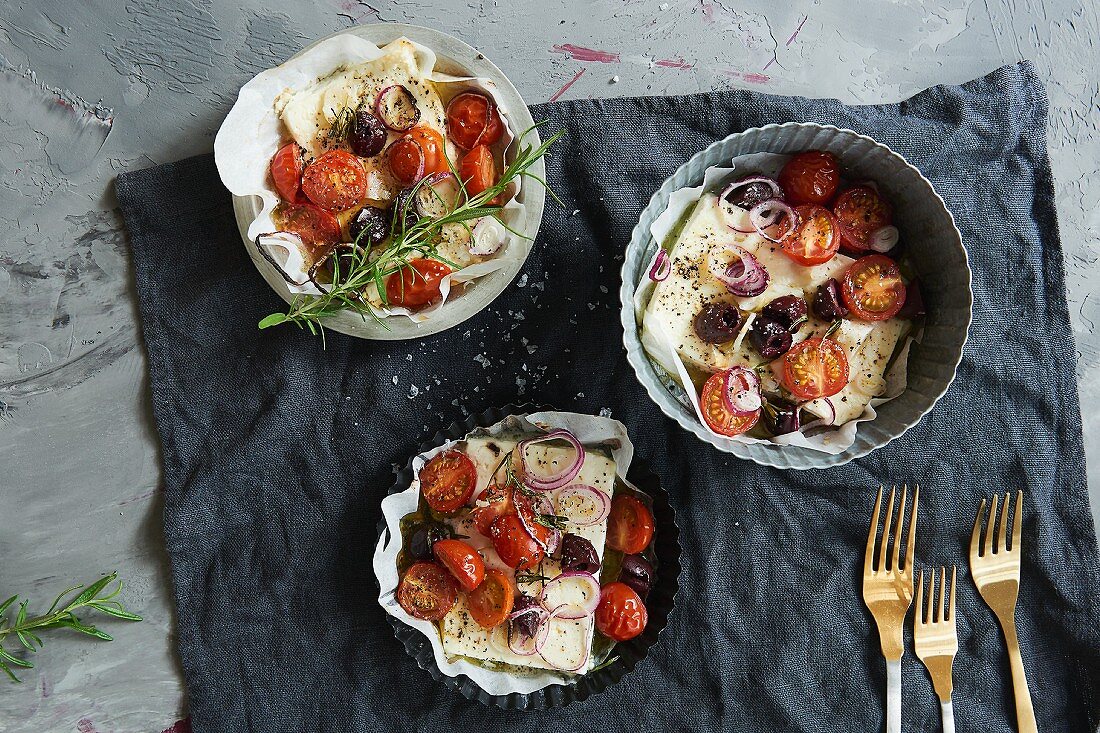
(14,620)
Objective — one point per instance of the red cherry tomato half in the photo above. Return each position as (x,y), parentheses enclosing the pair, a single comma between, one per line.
(317,227)
(447,481)
(477,170)
(718,416)
(465,564)
(417,284)
(499,500)
(815,368)
(873,289)
(335,181)
(407,161)
(621,614)
(860,211)
(630,525)
(286,172)
(472,119)
(815,239)
(514,544)
(811,177)
(492,601)
(435,150)
(427,592)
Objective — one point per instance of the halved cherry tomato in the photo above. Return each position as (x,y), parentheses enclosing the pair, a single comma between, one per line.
(477,170)
(815,239)
(717,415)
(815,368)
(447,481)
(472,119)
(407,160)
(873,288)
(860,211)
(499,500)
(335,181)
(491,602)
(513,543)
(810,177)
(417,284)
(435,150)
(630,525)
(465,564)
(317,227)
(286,172)
(536,529)
(426,591)
(621,614)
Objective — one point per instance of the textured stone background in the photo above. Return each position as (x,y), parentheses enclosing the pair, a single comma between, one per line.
(93,88)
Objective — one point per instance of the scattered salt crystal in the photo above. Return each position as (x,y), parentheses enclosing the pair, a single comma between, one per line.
(591,306)
(615,79)
(603,288)
(413,391)
(395,379)
(605,412)
(580,394)
(410,357)
(575,212)
(480,359)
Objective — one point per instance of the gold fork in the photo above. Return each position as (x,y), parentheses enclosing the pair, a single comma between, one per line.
(935,640)
(996,572)
(888,591)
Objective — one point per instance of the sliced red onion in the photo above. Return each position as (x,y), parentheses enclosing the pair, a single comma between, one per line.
(662,267)
(884,239)
(569,665)
(768,213)
(396,107)
(823,421)
(594,505)
(534,608)
(437,195)
(520,643)
(742,392)
(752,179)
(554,480)
(745,277)
(488,237)
(573,595)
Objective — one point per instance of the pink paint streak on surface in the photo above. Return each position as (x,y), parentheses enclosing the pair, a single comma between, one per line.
(85,726)
(750,76)
(708,11)
(568,84)
(580,53)
(180,726)
(768,64)
(676,63)
(796,30)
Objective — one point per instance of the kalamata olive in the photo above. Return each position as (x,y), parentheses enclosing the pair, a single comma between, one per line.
(717,323)
(373,224)
(578,555)
(751,194)
(526,624)
(367,135)
(914,301)
(781,417)
(637,572)
(770,337)
(405,205)
(828,304)
(422,539)
(786,310)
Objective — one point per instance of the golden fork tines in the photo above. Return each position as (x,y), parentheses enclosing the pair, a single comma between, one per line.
(996,571)
(888,586)
(934,637)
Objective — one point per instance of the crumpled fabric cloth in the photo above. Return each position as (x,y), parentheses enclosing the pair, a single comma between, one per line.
(277,451)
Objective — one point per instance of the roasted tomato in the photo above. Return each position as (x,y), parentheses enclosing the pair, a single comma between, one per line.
(810,178)
(514,544)
(286,172)
(621,614)
(465,564)
(861,211)
(491,602)
(418,153)
(426,591)
(873,289)
(472,119)
(417,284)
(717,415)
(317,227)
(447,481)
(477,170)
(815,368)
(435,150)
(498,502)
(527,513)
(336,181)
(630,525)
(815,239)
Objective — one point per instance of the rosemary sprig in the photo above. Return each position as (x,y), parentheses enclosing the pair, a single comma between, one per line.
(26,628)
(358,269)
(526,577)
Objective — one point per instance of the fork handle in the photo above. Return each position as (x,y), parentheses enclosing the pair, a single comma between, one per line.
(893,696)
(1025,713)
(947,712)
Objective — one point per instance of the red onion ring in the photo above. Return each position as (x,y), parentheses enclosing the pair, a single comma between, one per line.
(427,200)
(394,119)
(544,634)
(662,267)
(753,179)
(483,242)
(822,421)
(742,392)
(883,239)
(555,480)
(519,644)
(745,277)
(599,498)
(768,213)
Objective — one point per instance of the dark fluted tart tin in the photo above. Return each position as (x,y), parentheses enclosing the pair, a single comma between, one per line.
(659,603)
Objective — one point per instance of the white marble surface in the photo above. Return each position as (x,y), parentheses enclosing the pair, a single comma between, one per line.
(93,88)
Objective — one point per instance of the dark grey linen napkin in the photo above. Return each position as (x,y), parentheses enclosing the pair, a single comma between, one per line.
(277,451)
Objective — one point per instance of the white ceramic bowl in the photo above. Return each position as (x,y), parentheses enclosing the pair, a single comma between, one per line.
(933,245)
(457,58)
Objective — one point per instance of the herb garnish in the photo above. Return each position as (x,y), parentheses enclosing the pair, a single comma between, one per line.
(525,577)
